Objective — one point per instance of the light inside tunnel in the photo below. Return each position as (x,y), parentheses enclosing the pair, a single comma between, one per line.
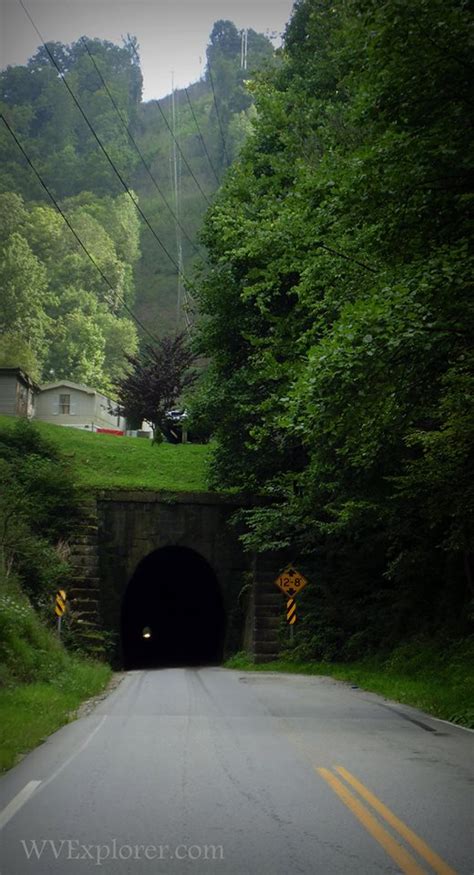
(172,612)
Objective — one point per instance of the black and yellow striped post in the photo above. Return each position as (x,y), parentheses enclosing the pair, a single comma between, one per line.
(60,607)
(291,616)
(291,611)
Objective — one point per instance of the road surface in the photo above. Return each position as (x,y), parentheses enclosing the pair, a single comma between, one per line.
(214,771)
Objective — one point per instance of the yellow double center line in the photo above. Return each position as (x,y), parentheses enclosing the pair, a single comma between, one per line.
(405,861)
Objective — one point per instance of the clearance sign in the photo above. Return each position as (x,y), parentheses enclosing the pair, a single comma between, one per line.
(291,582)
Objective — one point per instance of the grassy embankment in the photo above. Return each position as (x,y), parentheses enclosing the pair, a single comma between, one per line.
(432,677)
(104,461)
(435,677)
(41,684)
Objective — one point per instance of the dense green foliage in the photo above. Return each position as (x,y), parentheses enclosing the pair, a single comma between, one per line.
(227,79)
(59,318)
(40,683)
(52,129)
(39,506)
(339,319)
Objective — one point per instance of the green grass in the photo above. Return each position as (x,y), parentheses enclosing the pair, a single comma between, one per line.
(31,712)
(437,680)
(41,684)
(105,461)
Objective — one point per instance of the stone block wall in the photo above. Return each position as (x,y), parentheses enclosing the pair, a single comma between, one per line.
(122,528)
(133,525)
(269,606)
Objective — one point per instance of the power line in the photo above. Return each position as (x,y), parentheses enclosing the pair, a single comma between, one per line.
(183,156)
(98,140)
(177,168)
(201,136)
(176,183)
(136,146)
(218,115)
(74,232)
(120,177)
(346,257)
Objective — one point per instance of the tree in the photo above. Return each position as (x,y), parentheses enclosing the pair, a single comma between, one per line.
(228,79)
(339,316)
(56,313)
(224,40)
(39,508)
(24,295)
(120,335)
(51,128)
(77,350)
(156,381)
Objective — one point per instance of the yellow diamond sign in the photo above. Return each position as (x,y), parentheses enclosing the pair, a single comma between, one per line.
(290,581)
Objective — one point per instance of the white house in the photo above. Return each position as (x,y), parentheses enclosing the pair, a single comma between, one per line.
(66,403)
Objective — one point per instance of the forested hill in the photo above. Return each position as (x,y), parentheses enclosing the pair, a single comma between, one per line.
(75,299)
(339,320)
(212,118)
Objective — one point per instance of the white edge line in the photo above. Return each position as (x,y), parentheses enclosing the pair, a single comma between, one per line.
(450,723)
(23,796)
(75,754)
(17,802)
(426,715)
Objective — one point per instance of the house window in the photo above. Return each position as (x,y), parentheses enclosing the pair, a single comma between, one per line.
(64,403)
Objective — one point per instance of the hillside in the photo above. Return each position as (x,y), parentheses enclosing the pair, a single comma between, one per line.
(102,199)
(338,322)
(102,461)
(210,120)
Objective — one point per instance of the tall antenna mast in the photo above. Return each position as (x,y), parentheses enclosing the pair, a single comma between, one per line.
(243,47)
(176,177)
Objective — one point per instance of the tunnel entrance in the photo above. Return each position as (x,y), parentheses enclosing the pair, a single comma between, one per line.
(172,612)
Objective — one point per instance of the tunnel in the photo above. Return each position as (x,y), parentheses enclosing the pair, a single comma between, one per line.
(172,612)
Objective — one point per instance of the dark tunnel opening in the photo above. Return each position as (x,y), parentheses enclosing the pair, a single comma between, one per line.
(172,612)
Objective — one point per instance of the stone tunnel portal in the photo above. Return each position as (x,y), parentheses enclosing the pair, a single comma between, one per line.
(172,612)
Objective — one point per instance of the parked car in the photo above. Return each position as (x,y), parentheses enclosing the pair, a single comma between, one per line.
(174,426)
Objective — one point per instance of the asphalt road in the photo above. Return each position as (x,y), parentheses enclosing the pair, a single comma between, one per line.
(212,771)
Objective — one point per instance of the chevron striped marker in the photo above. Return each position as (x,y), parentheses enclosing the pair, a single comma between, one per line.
(291,611)
(60,605)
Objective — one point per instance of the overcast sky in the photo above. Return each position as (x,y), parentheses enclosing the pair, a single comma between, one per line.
(172,34)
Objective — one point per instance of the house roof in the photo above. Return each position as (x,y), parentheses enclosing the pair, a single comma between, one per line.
(45,387)
(20,375)
(79,387)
